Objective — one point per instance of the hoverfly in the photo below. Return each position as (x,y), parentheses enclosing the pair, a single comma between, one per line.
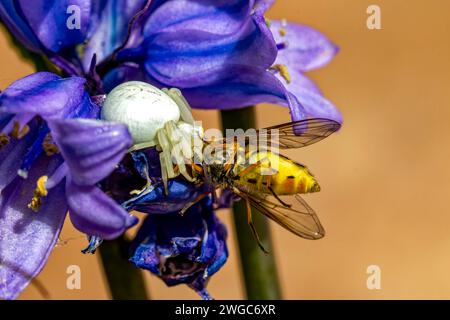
(276,195)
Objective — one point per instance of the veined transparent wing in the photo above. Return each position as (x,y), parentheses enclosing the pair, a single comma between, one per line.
(299,134)
(289,135)
(299,218)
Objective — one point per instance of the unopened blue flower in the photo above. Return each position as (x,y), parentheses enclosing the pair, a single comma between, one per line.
(185,249)
(50,162)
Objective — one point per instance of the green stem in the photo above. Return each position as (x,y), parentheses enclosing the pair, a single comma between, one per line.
(125,281)
(259,269)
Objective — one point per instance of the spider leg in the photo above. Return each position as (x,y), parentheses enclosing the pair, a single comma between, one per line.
(140,146)
(163,173)
(165,144)
(183,170)
(248,169)
(181,150)
(165,158)
(185,109)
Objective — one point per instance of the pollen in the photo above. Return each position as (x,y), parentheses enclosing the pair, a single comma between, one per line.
(49,147)
(39,193)
(18,132)
(284,72)
(282,31)
(4,140)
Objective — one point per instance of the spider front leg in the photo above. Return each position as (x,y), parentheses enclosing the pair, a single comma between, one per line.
(181,148)
(177,154)
(183,105)
(165,158)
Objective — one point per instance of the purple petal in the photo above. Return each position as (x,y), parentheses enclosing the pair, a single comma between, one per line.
(314,105)
(43,94)
(27,237)
(11,156)
(215,16)
(156,201)
(244,86)
(241,86)
(306,48)
(20,29)
(112,28)
(31,81)
(91,148)
(94,213)
(227,199)
(299,80)
(44,17)
(186,58)
(263,5)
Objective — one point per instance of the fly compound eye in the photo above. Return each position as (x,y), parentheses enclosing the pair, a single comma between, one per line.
(142,107)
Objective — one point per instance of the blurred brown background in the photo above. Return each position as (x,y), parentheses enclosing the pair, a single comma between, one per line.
(385,177)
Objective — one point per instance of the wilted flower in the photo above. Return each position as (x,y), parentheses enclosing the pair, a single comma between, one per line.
(187,249)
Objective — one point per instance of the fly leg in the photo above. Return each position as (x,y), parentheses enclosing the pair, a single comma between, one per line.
(253,166)
(287,205)
(269,187)
(252,227)
(190,204)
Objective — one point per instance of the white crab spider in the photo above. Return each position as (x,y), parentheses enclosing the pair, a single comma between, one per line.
(160,118)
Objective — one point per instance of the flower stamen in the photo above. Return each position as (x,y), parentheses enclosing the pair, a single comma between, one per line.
(284,72)
(18,132)
(4,140)
(39,193)
(50,148)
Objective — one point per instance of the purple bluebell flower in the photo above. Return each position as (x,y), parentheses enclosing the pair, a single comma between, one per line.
(186,249)
(238,65)
(56,155)
(50,163)
(221,53)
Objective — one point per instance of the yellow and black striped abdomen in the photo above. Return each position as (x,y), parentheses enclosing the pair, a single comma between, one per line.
(289,178)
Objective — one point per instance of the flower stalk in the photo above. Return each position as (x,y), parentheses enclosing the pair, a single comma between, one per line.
(125,281)
(258,269)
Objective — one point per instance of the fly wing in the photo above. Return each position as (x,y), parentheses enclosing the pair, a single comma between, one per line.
(297,134)
(298,217)
(300,134)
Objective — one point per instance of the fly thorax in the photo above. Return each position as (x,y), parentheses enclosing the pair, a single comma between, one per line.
(217,174)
